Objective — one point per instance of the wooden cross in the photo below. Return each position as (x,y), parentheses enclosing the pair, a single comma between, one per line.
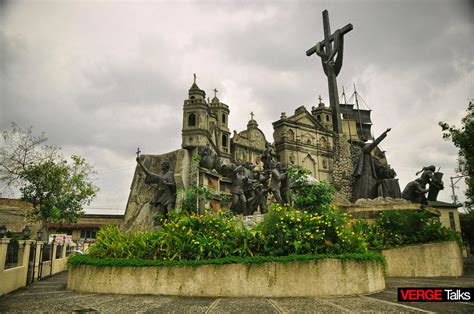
(215,92)
(251,115)
(327,49)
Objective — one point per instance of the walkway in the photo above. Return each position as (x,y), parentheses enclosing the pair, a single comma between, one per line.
(51,295)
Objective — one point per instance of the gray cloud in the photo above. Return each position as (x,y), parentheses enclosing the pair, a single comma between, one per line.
(103,78)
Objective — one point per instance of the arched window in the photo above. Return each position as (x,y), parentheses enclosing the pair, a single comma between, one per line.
(327,118)
(223,118)
(308,141)
(319,117)
(224,140)
(323,142)
(192,119)
(291,135)
(192,97)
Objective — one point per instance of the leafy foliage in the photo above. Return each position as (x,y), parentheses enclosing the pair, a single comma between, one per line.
(463,139)
(58,190)
(88,259)
(310,197)
(287,231)
(467,227)
(398,228)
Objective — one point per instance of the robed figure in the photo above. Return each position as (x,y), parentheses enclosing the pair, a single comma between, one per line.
(365,185)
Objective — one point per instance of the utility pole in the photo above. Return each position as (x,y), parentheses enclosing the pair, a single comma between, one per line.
(453,186)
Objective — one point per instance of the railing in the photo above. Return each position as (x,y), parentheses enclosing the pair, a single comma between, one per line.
(59,250)
(12,254)
(47,250)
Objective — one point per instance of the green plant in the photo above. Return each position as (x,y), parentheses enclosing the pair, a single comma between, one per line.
(203,236)
(310,197)
(403,227)
(286,231)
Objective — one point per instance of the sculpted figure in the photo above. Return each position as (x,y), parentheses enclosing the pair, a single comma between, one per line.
(285,187)
(239,202)
(260,198)
(267,157)
(415,192)
(433,178)
(275,182)
(366,178)
(209,158)
(165,196)
(249,186)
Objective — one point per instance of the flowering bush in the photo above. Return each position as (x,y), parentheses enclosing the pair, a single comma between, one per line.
(203,236)
(286,231)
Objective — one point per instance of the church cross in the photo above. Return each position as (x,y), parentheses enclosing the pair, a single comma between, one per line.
(251,115)
(330,48)
(194,74)
(320,99)
(215,92)
(138,152)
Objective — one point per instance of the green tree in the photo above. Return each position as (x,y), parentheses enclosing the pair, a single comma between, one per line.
(57,188)
(463,138)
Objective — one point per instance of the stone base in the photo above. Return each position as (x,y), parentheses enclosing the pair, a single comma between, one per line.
(329,277)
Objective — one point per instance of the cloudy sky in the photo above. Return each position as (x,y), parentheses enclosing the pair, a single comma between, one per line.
(101,78)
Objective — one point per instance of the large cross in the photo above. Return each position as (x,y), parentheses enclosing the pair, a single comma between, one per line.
(332,46)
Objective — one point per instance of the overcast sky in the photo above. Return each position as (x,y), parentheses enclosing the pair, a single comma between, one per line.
(101,78)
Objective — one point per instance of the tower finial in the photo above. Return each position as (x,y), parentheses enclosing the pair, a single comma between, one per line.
(194,74)
(320,99)
(215,92)
(251,115)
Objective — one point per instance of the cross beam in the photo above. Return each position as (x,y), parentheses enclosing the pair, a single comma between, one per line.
(346,29)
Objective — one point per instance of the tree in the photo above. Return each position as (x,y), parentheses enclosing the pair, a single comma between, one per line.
(463,138)
(58,189)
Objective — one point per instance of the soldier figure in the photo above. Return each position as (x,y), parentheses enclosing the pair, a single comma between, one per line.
(165,196)
(275,182)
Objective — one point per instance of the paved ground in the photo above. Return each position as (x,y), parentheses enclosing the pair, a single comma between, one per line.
(51,295)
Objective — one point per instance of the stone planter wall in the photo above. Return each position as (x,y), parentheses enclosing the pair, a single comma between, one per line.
(328,277)
(424,260)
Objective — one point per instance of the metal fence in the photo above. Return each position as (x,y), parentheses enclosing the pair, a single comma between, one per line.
(47,252)
(59,250)
(12,254)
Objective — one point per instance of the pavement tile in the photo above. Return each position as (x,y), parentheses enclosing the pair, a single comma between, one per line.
(182,305)
(305,305)
(243,305)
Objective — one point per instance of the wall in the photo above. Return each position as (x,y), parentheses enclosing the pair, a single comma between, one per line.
(304,279)
(425,260)
(16,277)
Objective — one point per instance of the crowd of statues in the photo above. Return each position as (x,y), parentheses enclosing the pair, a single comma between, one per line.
(252,184)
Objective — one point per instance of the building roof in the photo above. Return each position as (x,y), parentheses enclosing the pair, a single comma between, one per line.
(443,204)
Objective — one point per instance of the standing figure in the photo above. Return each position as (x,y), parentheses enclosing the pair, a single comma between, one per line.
(285,187)
(239,202)
(275,182)
(165,196)
(427,174)
(267,157)
(365,185)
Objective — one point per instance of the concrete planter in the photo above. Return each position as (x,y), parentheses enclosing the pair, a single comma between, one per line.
(329,277)
(424,260)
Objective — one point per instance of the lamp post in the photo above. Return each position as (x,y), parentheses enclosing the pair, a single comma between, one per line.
(26,232)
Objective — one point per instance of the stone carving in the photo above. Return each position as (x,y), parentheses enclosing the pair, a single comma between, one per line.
(365,185)
(165,195)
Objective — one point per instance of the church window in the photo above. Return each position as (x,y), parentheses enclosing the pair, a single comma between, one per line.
(325,164)
(319,117)
(308,141)
(291,135)
(192,97)
(323,142)
(192,119)
(224,140)
(327,118)
(223,118)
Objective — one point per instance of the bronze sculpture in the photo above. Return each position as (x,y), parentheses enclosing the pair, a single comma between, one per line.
(165,196)
(365,185)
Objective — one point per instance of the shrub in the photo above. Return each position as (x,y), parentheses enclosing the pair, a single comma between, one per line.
(111,242)
(310,197)
(286,231)
(203,236)
(398,228)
